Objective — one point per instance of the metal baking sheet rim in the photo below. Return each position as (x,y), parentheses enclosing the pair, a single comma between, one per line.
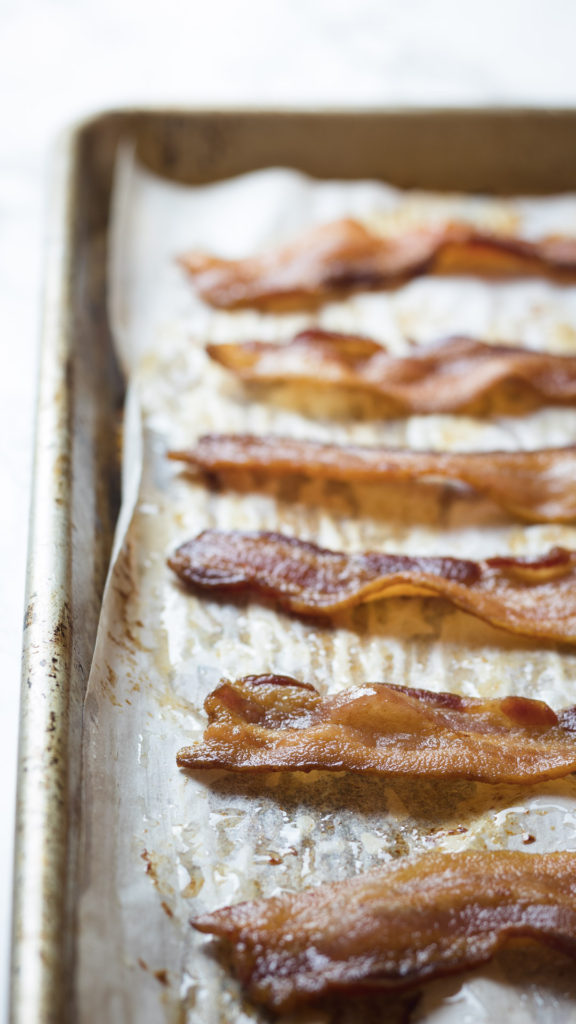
(41,814)
(53,669)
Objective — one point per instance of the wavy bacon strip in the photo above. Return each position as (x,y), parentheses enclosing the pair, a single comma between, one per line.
(539,486)
(535,597)
(449,376)
(346,256)
(275,723)
(398,926)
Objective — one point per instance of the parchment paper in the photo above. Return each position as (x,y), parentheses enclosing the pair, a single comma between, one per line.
(160,847)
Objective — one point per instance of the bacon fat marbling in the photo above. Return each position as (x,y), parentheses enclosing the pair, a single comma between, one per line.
(344,256)
(539,486)
(398,926)
(275,723)
(532,596)
(453,375)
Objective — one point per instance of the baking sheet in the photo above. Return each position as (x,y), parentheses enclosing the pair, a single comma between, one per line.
(159,846)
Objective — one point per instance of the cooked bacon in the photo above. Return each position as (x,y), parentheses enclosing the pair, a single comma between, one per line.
(539,486)
(398,926)
(346,256)
(449,376)
(535,597)
(275,723)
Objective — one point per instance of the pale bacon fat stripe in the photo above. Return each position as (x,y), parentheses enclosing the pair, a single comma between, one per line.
(539,486)
(275,723)
(534,597)
(450,376)
(346,256)
(397,926)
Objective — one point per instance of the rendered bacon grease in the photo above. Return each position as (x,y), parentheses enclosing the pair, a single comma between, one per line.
(345,256)
(398,926)
(532,596)
(452,375)
(539,486)
(275,723)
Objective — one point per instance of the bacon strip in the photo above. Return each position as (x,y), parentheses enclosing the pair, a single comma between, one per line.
(535,597)
(397,926)
(449,376)
(346,256)
(539,486)
(275,723)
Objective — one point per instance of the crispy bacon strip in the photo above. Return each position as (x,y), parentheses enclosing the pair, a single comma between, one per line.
(449,376)
(539,486)
(346,256)
(398,926)
(275,723)
(535,597)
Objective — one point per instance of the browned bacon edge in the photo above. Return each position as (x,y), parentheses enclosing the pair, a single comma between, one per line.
(344,256)
(398,926)
(539,486)
(275,723)
(451,375)
(532,596)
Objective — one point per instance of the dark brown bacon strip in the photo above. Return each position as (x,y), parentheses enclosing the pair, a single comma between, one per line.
(539,486)
(535,597)
(275,723)
(346,256)
(399,926)
(450,376)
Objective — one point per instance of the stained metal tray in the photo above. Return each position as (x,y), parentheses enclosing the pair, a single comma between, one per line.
(77,474)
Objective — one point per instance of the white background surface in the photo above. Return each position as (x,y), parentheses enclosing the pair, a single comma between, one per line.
(63,59)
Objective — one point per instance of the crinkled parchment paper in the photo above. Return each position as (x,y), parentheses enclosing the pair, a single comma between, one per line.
(160,846)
